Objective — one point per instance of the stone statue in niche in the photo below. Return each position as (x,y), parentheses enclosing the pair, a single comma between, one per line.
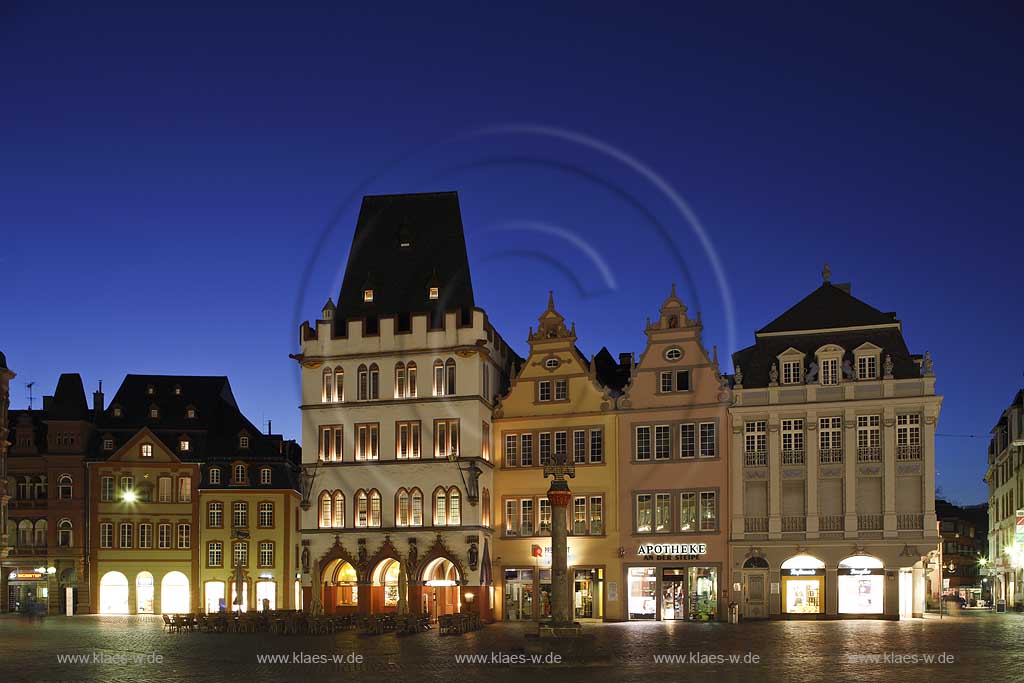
(773,374)
(812,373)
(414,553)
(739,376)
(848,370)
(305,560)
(362,551)
(473,556)
(887,367)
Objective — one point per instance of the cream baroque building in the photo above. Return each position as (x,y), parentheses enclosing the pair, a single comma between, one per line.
(398,385)
(833,464)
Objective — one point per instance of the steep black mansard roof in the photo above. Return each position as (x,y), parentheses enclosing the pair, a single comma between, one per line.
(213,432)
(817,320)
(68,401)
(403,245)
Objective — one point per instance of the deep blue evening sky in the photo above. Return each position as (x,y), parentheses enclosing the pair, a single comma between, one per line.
(166,175)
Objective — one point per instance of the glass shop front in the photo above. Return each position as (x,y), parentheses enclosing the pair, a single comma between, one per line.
(803,585)
(674,592)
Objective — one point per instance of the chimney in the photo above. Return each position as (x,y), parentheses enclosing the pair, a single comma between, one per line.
(97,401)
(270,427)
(625,359)
(47,402)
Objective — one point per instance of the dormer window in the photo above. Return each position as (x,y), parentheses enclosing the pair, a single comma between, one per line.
(265,476)
(243,441)
(190,413)
(150,390)
(368,296)
(146,450)
(117,411)
(867,367)
(865,359)
(214,475)
(108,444)
(433,292)
(177,390)
(184,445)
(240,473)
(829,371)
(830,364)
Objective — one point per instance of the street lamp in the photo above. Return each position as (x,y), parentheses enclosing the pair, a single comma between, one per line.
(129,497)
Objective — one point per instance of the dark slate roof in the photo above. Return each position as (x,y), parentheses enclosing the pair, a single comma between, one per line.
(69,399)
(213,433)
(827,307)
(434,254)
(610,373)
(3,360)
(756,361)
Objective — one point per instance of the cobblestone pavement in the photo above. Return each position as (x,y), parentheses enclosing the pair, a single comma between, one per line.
(983,646)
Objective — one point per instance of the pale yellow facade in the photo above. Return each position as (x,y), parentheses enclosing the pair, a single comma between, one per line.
(270,564)
(555,404)
(144,527)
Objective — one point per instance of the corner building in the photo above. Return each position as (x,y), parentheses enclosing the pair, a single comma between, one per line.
(832,464)
(398,385)
(559,404)
(673,476)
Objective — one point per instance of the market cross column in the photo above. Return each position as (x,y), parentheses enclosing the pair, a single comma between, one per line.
(560,496)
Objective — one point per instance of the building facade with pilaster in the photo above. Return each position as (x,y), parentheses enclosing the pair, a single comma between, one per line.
(833,464)
(673,475)
(398,386)
(46,566)
(1005,479)
(560,405)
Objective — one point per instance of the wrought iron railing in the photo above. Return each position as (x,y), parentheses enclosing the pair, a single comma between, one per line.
(869,454)
(757,458)
(827,456)
(755,525)
(793,456)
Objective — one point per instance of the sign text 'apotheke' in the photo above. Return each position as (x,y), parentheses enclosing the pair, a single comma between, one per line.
(672,549)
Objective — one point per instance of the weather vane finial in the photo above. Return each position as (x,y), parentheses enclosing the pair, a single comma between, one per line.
(826,273)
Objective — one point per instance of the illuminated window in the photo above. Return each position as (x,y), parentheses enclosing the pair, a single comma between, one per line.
(146,450)
(368,295)
(433,292)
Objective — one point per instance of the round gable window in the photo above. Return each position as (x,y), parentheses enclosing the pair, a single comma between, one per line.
(552,363)
(675,353)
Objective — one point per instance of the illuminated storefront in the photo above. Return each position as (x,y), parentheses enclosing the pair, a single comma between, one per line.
(675,586)
(861,585)
(803,585)
(27,588)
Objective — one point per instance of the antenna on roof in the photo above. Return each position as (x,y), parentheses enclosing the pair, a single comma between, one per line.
(29,386)
(270,427)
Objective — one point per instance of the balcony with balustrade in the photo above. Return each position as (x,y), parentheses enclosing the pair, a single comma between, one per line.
(755,525)
(793,456)
(869,522)
(908,452)
(829,523)
(794,523)
(758,458)
(869,454)
(912,521)
(829,456)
